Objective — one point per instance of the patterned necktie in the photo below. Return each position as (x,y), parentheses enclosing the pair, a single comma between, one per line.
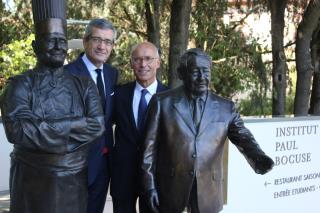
(142,109)
(101,87)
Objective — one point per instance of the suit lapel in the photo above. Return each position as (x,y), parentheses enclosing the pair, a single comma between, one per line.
(130,94)
(107,80)
(209,113)
(82,68)
(181,105)
(107,84)
(161,87)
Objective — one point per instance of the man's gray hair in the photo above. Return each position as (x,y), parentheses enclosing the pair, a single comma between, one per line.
(101,24)
(155,49)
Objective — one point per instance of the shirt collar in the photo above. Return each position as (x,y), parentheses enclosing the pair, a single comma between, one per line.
(89,64)
(152,88)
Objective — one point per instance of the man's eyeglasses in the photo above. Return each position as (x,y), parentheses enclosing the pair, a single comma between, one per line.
(139,60)
(98,40)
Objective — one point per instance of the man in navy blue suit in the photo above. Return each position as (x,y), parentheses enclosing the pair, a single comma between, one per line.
(98,43)
(129,119)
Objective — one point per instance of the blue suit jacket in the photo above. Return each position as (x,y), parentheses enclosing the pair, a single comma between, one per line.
(126,152)
(96,155)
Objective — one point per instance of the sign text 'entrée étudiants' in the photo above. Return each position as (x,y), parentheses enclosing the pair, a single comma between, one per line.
(294,183)
(288,152)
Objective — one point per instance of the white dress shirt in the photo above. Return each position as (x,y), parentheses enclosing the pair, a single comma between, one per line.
(92,69)
(152,89)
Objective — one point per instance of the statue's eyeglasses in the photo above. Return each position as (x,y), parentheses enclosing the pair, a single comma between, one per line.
(139,60)
(98,40)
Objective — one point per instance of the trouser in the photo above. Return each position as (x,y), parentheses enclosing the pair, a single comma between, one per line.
(129,206)
(97,191)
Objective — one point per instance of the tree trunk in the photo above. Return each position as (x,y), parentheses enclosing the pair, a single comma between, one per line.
(179,33)
(153,27)
(153,22)
(279,66)
(315,55)
(304,65)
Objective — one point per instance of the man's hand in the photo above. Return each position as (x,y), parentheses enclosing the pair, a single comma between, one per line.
(263,164)
(152,200)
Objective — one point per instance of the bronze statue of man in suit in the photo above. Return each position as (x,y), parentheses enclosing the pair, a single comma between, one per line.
(186,130)
(51,117)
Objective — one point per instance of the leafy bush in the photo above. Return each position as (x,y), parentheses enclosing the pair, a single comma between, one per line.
(15,58)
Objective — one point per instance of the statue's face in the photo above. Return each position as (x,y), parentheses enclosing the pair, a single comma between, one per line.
(198,75)
(51,49)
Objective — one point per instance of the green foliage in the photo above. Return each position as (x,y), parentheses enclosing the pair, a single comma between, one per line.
(121,55)
(255,104)
(16,57)
(237,64)
(234,65)
(289,103)
(81,10)
(16,25)
(16,54)
(129,19)
(234,57)
(238,70)
(126,16)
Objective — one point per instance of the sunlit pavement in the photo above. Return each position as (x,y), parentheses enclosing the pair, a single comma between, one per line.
(5,202)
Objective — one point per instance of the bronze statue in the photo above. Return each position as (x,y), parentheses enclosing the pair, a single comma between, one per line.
(186,130)
(50,116)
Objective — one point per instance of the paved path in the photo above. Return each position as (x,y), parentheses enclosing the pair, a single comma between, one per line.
(5,202)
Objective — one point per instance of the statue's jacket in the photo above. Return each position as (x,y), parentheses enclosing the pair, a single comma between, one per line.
(175,153)
(51,118)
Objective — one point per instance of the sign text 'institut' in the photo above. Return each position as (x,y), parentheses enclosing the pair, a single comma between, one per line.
(292,145)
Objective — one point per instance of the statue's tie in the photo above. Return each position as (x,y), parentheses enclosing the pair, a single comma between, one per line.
(142,109)
(197,108)
(101,87)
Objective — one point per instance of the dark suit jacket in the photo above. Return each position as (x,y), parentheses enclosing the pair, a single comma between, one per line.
(174,153)
(125,165)
(110,75)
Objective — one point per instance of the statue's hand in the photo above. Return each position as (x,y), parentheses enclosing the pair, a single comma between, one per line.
(152,200)
(263,164)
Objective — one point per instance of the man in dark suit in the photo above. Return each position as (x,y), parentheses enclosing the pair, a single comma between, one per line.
(129,121)
(98,43)
(186,129)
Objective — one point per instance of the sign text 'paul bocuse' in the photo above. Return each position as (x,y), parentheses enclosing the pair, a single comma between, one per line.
(282,146)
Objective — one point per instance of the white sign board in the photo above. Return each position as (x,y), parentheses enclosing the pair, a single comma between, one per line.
(5,150)
(294,183)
